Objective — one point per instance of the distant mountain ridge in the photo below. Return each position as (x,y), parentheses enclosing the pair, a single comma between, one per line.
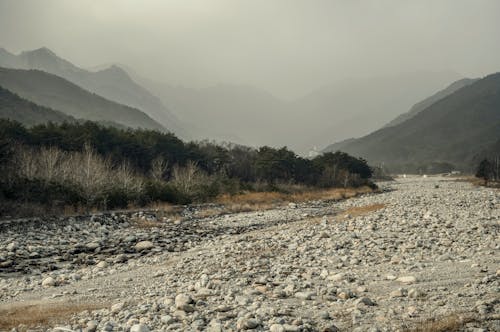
(59,94)
(454,129)
(15,108)
(420,106)
(112,83)
(252,116)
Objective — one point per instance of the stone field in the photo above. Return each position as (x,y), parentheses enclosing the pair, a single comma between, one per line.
(422,255)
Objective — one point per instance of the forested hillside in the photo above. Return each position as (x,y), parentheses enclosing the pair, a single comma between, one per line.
(55,92)
(455,130)
(95,166)
(16,108)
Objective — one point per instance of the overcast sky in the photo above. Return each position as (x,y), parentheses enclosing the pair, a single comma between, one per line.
(285,46)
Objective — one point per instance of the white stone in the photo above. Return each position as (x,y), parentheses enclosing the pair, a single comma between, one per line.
(139,328)
(49,282)
(144,245)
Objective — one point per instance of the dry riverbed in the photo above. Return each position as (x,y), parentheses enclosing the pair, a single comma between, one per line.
(422,257)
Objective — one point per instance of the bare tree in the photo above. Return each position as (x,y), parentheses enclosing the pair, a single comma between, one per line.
(159,167)
(48,160)
(127,179)
(25,162)
(187,178)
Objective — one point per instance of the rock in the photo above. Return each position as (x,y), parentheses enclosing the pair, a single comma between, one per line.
(365,301)
(415,293)
(121,258)
(143,245)
(330,328)
(167,319)
(117,307)
(277,328)
(215,326)
(139,328)
(343,295)
(247,323)
(49,282)
(92,326)
(324,315)
(304,295)
(407,280)
(102,265)
(12,246)
(337,277)
(183,302)
(397,293)
(62,329)
(92,245)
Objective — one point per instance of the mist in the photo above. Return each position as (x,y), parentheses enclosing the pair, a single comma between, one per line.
(286,47)
(300,74)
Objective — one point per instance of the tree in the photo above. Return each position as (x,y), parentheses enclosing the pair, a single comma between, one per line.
(485,170)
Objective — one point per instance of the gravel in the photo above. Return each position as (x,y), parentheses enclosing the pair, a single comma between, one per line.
(432,251)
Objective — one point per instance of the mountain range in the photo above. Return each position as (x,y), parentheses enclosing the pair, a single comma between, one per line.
(252,116)
(461,124)
(59,94)
(112,83)
(455,124)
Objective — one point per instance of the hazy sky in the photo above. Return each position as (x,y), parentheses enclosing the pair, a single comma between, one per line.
(285,46)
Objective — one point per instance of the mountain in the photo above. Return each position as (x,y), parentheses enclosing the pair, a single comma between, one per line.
(454,129)
(57,93)
(248,115)
(420,106)
(237,113)
(357,106)
(112,83)
(16,108)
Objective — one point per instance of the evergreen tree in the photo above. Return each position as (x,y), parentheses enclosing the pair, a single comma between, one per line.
(485,170)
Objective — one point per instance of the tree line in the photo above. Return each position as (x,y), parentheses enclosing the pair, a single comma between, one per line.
(489,170)
(105,167)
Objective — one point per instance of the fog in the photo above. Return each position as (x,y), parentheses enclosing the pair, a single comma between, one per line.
(282,72)
(284,46)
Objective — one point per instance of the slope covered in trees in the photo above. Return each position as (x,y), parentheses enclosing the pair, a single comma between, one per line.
(422,105)
(16,108)
(86,163)
(55,92)
(453,130)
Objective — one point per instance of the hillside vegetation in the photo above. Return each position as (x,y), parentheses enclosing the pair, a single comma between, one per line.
(458,129)
(422,105)
(89,165)
(54,92)
(16,108)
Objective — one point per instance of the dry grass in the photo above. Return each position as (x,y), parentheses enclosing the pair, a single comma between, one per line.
(450,323)
(38,314)
(362,210)
(478,182)
(260,201)
(253,198)
(144,223)
(254,201)
(330,194)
